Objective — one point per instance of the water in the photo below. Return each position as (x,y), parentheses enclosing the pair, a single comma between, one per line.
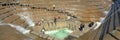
(26,17)
(61,33)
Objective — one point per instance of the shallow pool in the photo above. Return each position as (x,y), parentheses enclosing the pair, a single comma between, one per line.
(60,33)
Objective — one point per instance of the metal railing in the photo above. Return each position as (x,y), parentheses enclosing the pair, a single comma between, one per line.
(112,13)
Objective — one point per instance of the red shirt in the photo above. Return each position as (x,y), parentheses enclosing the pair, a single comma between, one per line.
(58,17)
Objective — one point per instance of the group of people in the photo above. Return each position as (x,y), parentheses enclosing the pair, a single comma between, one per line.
(70,16)
(82,26)
(55,18)
(6,4)
(62,10)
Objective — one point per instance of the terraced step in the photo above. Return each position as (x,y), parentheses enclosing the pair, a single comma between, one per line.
(18,22)
(5,15)
(10,19)
(108,37)
(6,10)
(35,37)
(116,34)
(9,33)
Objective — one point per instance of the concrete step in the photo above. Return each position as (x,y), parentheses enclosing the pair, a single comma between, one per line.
(108,37)
(116,34)
(34,37)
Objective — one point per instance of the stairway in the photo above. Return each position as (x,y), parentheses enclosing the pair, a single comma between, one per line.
(108,37)
(115,34)
(112,35)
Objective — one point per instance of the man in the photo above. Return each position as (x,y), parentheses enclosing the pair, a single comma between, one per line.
(68,17)
(55,20)
(59,18)
(39,23)
(74,16)
(43,30)
(53,7)
(81,27)
(91,24)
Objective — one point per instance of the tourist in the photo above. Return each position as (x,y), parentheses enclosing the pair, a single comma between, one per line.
(58,17)
(53,7)
(4,4)
(68,17)
(42,20)
(33,7)
(81,27)
(55,20)
(74,16)
(91,24)
(68,14)
(43,30)
(39,23)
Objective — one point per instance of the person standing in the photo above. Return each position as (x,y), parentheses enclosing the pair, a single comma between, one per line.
(43,30)
(53,7)
(55,20)
(59,18)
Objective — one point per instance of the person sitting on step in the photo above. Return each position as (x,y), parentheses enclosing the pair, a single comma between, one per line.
(81,27)
(91,24)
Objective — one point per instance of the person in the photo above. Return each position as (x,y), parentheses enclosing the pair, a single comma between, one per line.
(4,4)
(74,16)
(68,14)
(43,30)
(91,24)
(53,7)
(81,27)
(33,7)
(68,17)
(58,17)
(42,20)
(39,23)
(61,10)
(55,20)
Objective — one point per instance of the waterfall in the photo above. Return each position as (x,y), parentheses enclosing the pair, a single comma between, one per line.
(20,29)
(25,16)
(29,21)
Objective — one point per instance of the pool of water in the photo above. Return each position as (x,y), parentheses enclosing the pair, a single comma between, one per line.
(60,33)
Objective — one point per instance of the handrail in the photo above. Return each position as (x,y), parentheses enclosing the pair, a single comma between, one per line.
(111,15)
(112,12)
